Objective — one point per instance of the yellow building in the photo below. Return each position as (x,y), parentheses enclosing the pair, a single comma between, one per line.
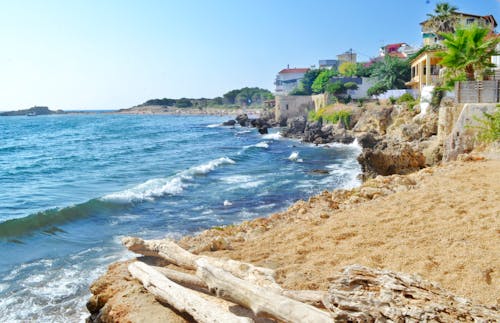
(463,19)
(424,70)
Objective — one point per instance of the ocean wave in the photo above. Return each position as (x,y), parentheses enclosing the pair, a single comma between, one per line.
(294,156)
(21,226)
(158,187)
(262,144)
(215,125)
(272,136)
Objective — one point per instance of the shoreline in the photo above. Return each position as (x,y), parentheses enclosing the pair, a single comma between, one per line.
(313,239)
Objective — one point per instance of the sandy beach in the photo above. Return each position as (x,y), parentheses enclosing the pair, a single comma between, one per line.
(441,223)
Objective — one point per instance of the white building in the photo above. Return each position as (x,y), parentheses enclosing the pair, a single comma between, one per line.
(288,79)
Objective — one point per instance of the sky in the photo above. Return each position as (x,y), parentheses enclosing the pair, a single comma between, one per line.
(110,54)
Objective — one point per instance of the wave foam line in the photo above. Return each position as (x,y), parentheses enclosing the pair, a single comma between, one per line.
(158,187)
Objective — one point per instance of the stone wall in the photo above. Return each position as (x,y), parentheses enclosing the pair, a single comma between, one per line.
(457,127)
(291,106)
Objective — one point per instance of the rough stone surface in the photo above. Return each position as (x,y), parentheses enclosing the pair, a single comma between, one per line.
(362,294)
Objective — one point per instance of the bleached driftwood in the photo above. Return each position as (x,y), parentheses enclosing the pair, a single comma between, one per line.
(174,254)
(363,294)
(181,298)
(262,301)
(312,297)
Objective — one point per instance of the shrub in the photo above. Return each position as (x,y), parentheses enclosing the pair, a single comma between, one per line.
(407,97)
(489,126)
(343,116)
(392,100)
(377,89)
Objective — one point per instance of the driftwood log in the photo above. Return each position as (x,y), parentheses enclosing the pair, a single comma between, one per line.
(176,255)
(181,298)
(362,294)
(261,301)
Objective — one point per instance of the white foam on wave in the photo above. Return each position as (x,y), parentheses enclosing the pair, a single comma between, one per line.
(272,136)
(347,173)
(158,187)
(294,156)
(262,144)
(242,181)
(215,125)
(227,203)
(353,145)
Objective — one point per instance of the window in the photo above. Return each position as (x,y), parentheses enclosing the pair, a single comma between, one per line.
(469,21)
(287,106)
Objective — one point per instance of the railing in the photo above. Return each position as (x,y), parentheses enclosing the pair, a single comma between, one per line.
(477,91)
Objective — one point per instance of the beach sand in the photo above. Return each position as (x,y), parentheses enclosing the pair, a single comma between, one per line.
(442,223)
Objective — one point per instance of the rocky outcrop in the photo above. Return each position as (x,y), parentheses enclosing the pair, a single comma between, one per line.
(34,111)
(361,294)
(374,119)
(389,157)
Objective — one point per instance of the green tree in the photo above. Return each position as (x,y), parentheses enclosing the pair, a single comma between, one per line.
(392,72)
(377,89)
(335,88)
(322,80)
(467,53)
(443,19)
(183,103)
(305,84)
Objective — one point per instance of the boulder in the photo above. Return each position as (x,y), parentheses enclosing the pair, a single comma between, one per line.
(390,157)
(376,118)
(243,120)
(295,127)
(368,140)
(229,123)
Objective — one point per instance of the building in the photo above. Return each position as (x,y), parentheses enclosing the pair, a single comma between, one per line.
(348,56)
(292,106)
(425,67)
(424,70)
(429,35)
(401,50)
(288,79)
(328,63)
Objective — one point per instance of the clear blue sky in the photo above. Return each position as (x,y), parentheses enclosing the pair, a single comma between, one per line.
(117,53)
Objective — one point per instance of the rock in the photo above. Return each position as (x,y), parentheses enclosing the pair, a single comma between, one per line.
(229,123)
(320,171)
(390,157)
(262,130)
(368,140)
(377,118)
(242,119)
(361,294)
(295,127)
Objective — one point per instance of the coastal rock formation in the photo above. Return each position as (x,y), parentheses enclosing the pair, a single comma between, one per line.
(362,294)
(376,118)
(34,111)
(389,157)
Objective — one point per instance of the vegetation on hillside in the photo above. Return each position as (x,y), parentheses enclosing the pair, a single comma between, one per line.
(343,116)
(247,96)
(391,73)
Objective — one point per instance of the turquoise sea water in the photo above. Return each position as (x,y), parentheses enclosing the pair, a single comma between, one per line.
(72,185)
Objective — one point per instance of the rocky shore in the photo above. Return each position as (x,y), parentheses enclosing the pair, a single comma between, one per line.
(423,217)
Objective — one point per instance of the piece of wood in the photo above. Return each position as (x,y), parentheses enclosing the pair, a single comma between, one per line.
(362,294)
(311,297)
(170,251)
(181,298)
(262,301)
(164,248)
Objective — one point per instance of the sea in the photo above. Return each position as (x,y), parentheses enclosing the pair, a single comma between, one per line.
(72,185)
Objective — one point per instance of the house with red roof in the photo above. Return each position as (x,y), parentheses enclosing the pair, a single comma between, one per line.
(401,50)
(288,79)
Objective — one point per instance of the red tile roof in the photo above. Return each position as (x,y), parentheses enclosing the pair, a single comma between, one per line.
(293,70)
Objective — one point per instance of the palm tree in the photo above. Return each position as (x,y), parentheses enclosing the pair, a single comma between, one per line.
(468,53)
(392,72)
(444,18)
